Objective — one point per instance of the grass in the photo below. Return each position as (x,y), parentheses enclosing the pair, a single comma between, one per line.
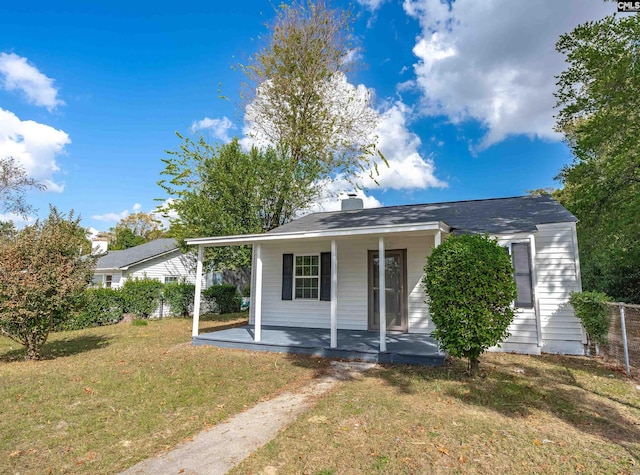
(549,414)
(105,398)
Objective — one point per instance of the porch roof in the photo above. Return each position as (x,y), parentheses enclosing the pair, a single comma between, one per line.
(378,230)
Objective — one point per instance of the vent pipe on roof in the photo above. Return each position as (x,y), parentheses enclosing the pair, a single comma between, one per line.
(351,202)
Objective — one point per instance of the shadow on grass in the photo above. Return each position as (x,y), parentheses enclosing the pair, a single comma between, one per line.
(517,389)
(60,348)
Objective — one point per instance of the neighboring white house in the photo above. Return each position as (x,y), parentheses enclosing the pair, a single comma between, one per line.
(160,259)
(323,270)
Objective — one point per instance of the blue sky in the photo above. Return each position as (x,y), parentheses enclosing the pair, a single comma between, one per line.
(92,93)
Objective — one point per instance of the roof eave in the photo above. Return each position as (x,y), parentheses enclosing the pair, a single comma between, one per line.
(244,239)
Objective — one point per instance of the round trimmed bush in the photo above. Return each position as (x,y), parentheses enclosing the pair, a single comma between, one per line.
(470,290)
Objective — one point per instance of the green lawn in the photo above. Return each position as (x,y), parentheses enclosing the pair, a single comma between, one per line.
(545,414)
(105,398)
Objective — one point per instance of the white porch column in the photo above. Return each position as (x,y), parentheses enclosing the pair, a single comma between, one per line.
(196,301)
(437,239)
(382,293)
(334,294)
(258,295)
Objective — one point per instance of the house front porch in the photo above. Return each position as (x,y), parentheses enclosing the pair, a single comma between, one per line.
(404,348)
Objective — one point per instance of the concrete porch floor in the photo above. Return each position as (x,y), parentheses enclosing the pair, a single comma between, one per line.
(362,345)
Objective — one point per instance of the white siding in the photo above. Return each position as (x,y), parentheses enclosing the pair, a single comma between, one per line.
(352,283)
(172,264)
(558,275)
(116,278)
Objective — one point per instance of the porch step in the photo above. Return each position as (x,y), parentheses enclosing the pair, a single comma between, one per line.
(353,354)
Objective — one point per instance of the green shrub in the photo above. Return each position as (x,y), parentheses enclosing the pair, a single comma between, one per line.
(246,292)
(179,296)
(224,298)
(141,296)
(592,310)
(470,290)
(98,306)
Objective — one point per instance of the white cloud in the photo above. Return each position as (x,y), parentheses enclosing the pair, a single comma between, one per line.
(157,214)
(19,221)
(111,217)
(34,145)
(218,128)
(115,217)
(490,62)
(407,169)
(371,5)
(19,75)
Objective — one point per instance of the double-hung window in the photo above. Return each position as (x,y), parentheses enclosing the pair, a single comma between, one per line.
(522,273)
(307,277)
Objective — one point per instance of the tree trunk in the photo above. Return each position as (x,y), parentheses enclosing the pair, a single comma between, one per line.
(32,349)
(474,364)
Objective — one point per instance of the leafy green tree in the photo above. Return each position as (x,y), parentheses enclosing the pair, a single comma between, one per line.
(7,229)
(14,183)
(43,272)
(599,114)
(470,290)
(297,96)
(222,190)
(133,230)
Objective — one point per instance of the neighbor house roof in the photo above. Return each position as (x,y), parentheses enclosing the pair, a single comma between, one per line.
(135,255)
(493,216)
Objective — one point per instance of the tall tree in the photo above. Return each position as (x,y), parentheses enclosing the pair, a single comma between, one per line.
(14,184)
(133,230)
(599,113)
(43,270)
(298,98)
(222,190)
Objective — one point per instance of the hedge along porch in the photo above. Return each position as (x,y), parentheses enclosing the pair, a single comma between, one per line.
(322,271)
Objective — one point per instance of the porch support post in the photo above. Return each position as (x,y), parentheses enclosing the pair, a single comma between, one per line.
(437,239)
(334,294)
(258,294)
(196,300)
(382,293)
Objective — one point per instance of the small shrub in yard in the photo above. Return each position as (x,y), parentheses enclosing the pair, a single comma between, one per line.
(470,289)
(591,309)
(179,296)
(223,297)
(100,306)
(141,296)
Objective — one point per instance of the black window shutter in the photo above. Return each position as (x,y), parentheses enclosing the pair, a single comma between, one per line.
(325,276)
(287,276)
(521,255)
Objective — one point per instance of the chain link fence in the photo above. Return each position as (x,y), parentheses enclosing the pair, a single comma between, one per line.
(614,351)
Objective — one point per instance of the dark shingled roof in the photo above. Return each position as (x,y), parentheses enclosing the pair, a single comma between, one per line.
(133,255)
(493,216)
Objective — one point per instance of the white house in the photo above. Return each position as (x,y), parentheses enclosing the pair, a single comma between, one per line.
(323,270)
(160,259)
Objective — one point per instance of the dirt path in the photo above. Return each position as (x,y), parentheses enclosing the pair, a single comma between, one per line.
(219,449)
